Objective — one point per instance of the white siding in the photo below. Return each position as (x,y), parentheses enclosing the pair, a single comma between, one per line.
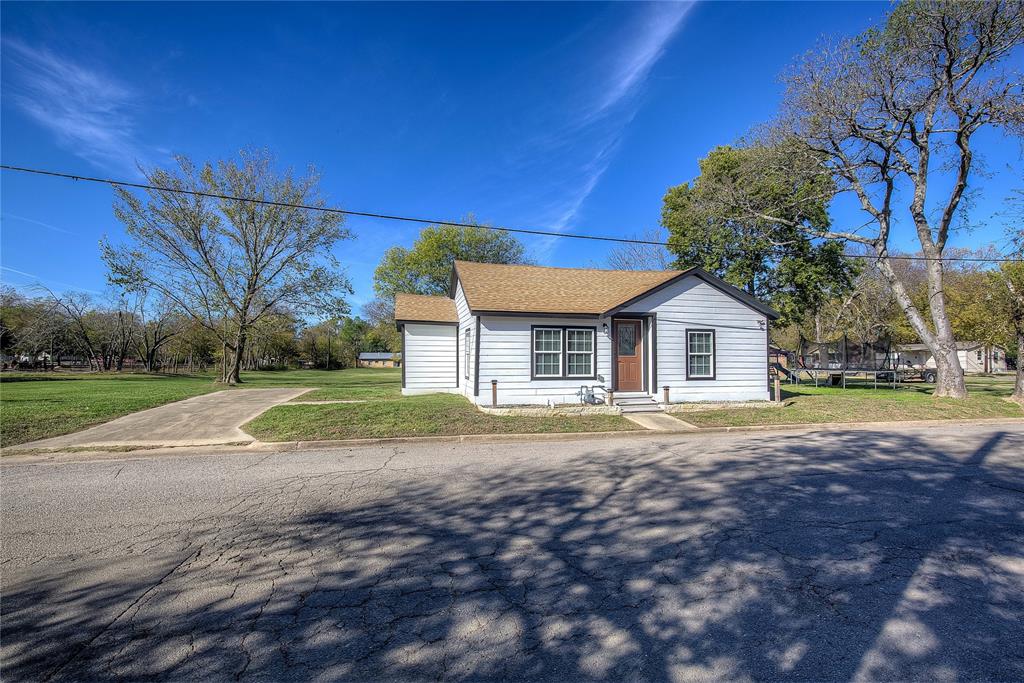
(741,358)
(506,355)
(429,358)
(466,322)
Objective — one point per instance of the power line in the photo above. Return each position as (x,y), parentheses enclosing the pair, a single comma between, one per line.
(427,221)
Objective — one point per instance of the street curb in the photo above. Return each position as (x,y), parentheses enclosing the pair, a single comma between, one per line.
(576,436)
(292,446)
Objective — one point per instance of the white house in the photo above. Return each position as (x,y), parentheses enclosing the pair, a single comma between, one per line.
(974,356)
(543,333)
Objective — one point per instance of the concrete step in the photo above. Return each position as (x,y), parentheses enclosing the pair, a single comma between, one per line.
(633,401)
(640,407)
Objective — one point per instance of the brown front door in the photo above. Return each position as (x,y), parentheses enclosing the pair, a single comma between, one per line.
(629,371)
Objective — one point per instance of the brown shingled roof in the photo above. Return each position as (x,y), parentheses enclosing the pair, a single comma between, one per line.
(538,289)
(419,308)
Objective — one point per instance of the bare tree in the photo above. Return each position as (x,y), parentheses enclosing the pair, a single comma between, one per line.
(159,320)
(77,306)
(896,110)
(642,256)
(227,263)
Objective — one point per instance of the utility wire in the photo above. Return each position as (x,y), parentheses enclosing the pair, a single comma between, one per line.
(429,221)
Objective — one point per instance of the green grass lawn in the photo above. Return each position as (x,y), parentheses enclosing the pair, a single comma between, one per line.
(429,415)
(39,405)
(859,402)
(335,385)
(36,405)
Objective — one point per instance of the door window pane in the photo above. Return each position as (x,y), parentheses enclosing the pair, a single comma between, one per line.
(627,340)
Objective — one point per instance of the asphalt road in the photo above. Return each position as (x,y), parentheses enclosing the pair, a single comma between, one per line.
(866,555)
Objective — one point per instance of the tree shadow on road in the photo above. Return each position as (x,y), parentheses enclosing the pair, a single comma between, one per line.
(852,555)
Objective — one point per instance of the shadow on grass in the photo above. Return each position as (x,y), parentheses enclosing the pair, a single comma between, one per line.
(835,556)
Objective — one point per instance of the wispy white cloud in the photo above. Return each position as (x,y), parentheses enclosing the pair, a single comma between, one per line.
(91,113)
(657,27)
(586,140)
(7,216)
(35,280)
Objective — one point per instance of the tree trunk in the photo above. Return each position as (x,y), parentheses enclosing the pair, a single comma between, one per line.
(235,370)
(949,381)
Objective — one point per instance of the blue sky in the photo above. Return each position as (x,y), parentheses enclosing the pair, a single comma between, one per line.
(570,116)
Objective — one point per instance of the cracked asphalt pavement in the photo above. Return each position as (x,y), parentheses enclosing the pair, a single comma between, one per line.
(850,555)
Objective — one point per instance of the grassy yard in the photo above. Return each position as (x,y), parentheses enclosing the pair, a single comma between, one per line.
(429,415)
(807,404)
(39,405)
(36,406)
(336,385)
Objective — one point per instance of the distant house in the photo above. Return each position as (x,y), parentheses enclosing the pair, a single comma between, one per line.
(545,334)
(974,356)
(379,360)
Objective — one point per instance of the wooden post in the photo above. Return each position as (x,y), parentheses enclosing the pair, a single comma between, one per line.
(778,392)
(609,397)
(664,390)
(494,393)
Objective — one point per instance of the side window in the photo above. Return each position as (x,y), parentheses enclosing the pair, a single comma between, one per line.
(700,354)
(466,354)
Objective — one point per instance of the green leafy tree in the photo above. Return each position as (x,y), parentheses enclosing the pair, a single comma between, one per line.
(771,259)
(426,267)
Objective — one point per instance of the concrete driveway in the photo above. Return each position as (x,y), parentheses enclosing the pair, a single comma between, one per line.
(206,420)
(855,555)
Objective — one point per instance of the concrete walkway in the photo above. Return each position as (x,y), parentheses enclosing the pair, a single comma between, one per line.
(201,421)
(659,422)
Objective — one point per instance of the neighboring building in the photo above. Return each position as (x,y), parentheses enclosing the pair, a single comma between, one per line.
(379,360)
(543,333)
(974,356)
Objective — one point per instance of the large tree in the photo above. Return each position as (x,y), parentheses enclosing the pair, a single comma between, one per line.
(893,114)
(228,262)
(773,260)
(426,267)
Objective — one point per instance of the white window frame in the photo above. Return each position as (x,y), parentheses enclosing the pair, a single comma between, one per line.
(465,353)
(560,352)
(712,365)
(592,353)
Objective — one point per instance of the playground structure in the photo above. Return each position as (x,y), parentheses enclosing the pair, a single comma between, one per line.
(832,363)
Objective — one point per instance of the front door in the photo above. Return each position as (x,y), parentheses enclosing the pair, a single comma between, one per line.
(629,374)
